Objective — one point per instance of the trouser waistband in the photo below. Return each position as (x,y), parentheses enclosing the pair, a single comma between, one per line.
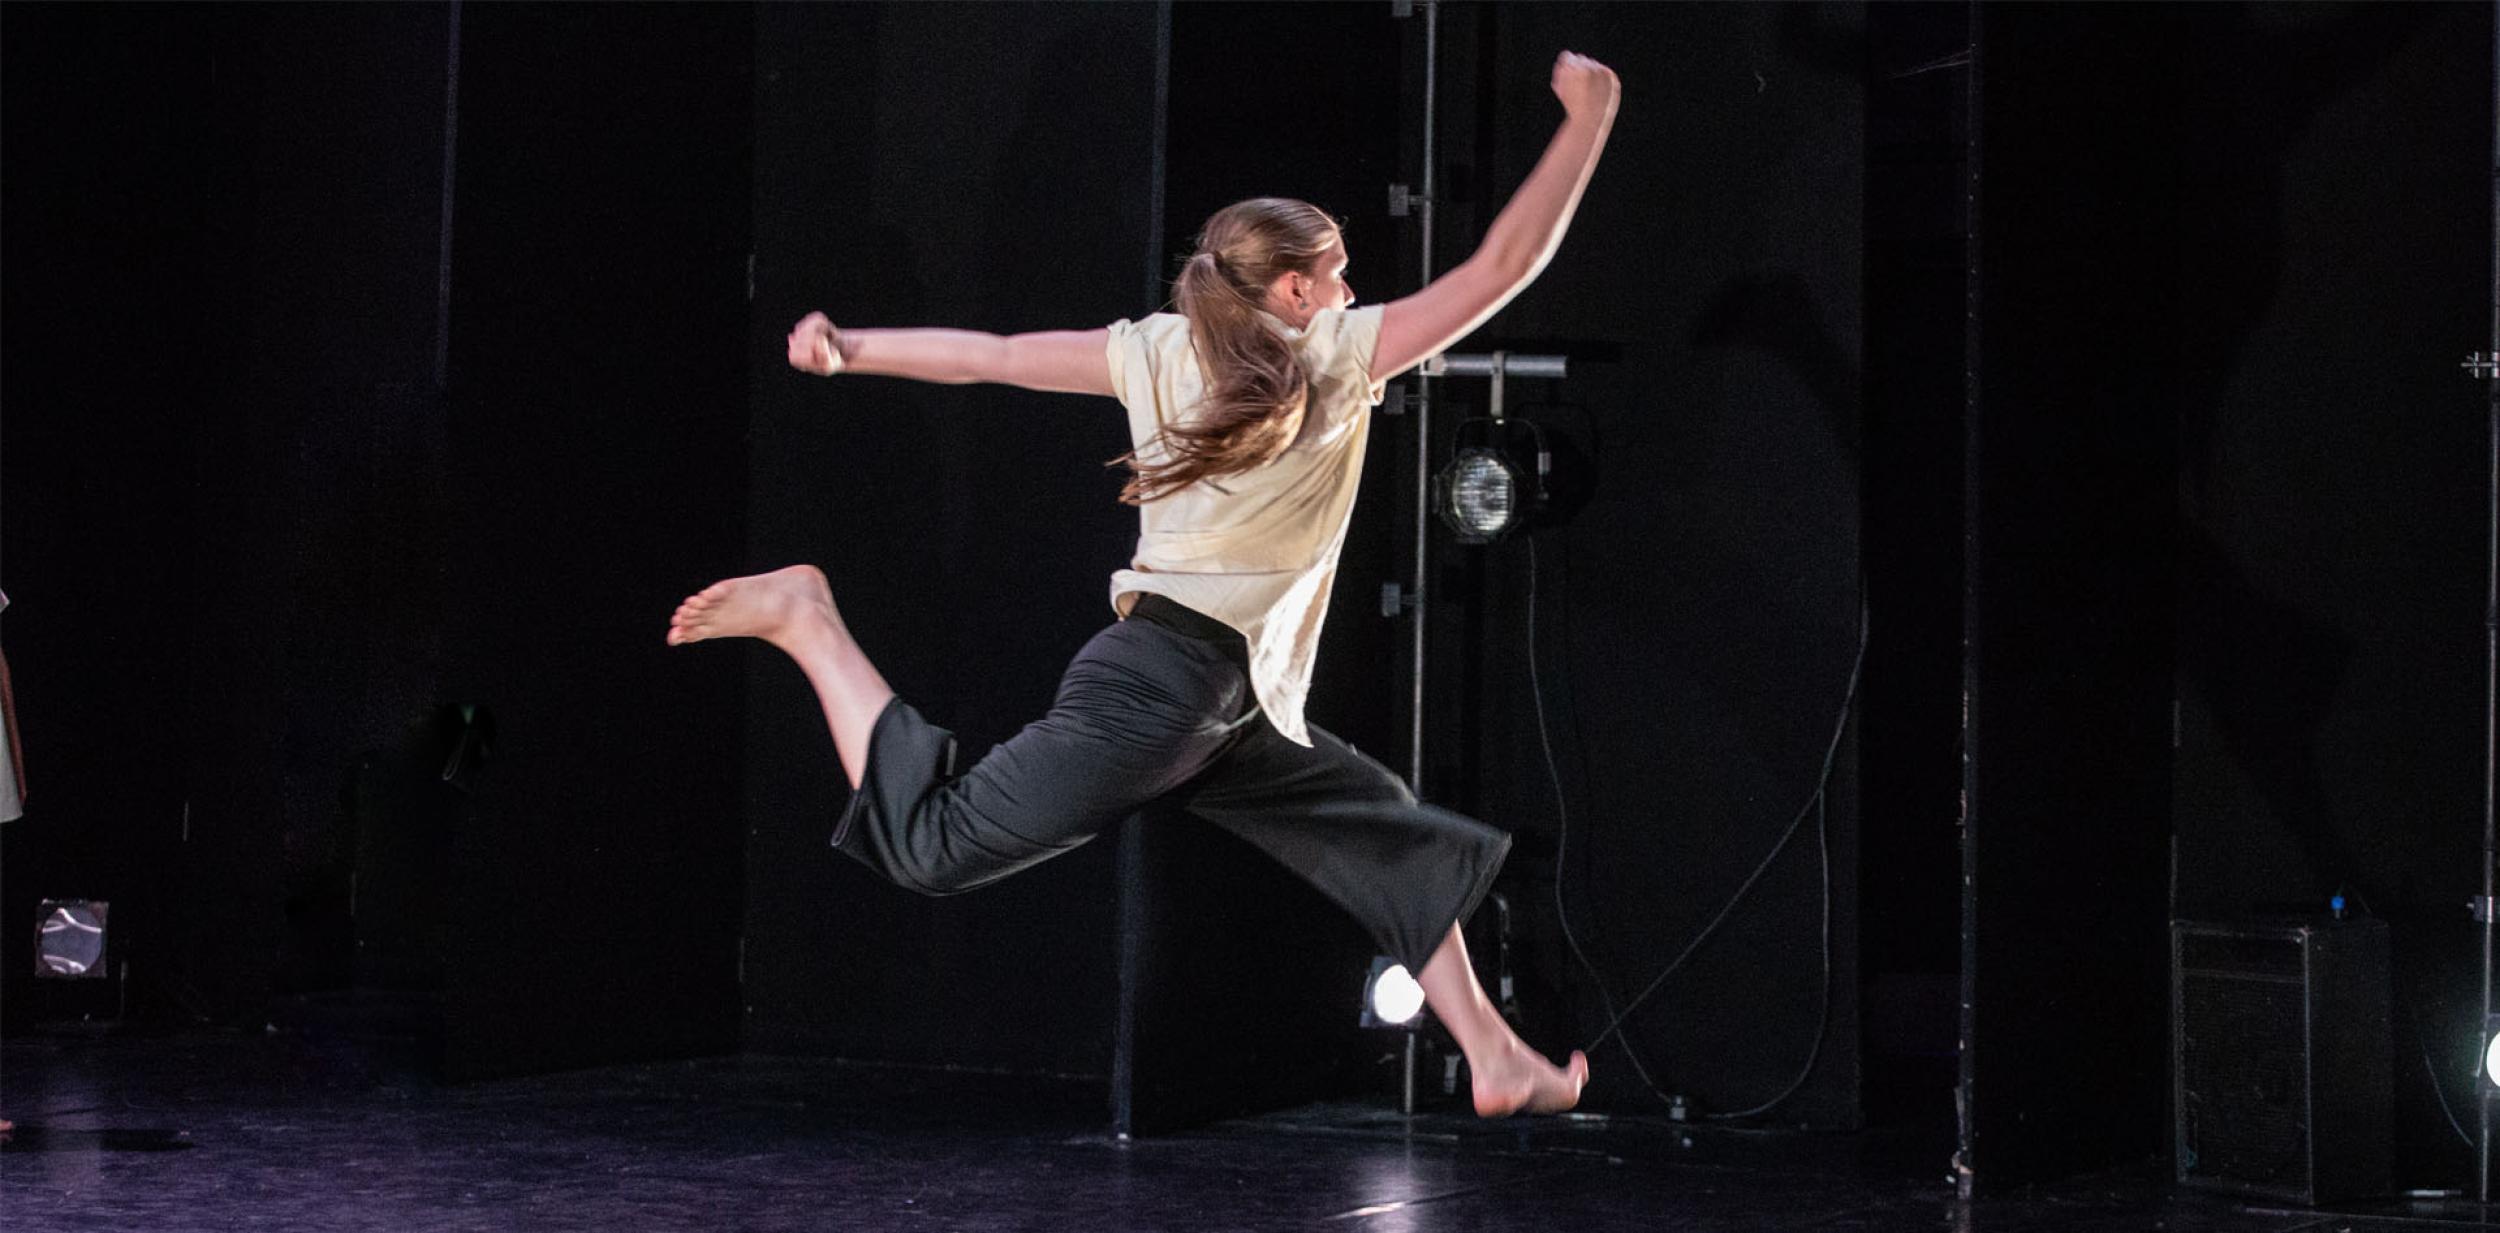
(1180,618)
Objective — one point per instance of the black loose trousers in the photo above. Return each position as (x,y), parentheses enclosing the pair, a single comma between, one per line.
(1158,707)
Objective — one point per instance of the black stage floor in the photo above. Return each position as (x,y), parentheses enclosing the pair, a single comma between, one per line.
(209,1131)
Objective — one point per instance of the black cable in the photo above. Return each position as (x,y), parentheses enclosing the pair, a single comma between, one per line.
(1562,830)
(1823,994)
(2413,1017)
(2440,1089)
(1818,803)
(1831,753)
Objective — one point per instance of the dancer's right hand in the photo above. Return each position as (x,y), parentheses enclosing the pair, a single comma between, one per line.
(815,346)
(1585,87)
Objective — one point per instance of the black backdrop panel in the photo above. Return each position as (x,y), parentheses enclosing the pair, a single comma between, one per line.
(2068,618)
(1695,620)
(2335,265)
(247,508)
(103,218)
(1911,697)
(597,426)
(983,167)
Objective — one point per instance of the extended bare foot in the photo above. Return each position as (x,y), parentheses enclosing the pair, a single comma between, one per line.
(793,610)
(776,607)
(1519,1080)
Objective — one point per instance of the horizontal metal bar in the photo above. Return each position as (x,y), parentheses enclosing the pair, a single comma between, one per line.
(1448,365)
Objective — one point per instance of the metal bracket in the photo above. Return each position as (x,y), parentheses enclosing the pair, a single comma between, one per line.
(1395,600)
(2482,367)
(2480,906)
(1403,200)
(1396,400)
(1511,363)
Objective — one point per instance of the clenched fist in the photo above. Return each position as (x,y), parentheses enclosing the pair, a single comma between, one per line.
(1585,87)
(815,346)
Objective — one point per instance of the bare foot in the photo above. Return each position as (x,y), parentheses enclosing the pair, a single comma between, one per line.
(775,607)
(1522,1081)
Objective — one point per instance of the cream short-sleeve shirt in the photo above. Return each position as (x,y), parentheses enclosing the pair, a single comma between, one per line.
(1257,550)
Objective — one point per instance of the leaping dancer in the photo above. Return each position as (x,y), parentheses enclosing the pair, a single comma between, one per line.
(1248,410)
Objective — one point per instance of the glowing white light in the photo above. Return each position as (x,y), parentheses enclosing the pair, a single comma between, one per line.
(1395,996)
(1481,494)
(2491,1059)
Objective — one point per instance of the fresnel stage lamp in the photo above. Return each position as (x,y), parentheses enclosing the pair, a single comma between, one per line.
(1491,487)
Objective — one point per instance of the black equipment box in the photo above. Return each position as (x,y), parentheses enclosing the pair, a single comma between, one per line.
(2280,1048)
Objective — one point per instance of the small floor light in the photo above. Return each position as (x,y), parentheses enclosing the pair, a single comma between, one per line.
(2491,1051)
(1391,998)
(69,944)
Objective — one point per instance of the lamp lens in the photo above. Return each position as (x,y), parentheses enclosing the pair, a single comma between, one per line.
(1481,494)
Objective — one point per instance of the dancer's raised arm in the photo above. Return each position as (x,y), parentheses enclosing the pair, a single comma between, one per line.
(1054,361)
(1522,238)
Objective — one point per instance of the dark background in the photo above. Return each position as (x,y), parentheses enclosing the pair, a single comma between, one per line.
(368,363)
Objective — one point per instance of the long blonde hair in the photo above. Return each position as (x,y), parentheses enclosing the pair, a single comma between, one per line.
(1256,385)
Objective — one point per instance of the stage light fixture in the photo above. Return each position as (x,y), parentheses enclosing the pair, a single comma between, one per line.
(69,941)
(1391,998)
(1488,489)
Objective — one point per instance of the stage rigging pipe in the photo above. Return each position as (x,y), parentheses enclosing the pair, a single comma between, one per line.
(451,169)
(1423,440)
(2491,655)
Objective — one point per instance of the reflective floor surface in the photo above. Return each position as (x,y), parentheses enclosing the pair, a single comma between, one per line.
(205,1131)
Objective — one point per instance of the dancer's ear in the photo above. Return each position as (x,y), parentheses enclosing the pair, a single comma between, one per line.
(1280,292)
(1290,288)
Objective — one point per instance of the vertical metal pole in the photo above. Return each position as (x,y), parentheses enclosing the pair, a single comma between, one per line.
(1415,626)
(2491,654)
(1423,441)
(451,166)
(1131,858)
(1966,1102)
(1406,1096)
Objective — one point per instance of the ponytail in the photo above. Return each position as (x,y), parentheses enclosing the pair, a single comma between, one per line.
(1256,384)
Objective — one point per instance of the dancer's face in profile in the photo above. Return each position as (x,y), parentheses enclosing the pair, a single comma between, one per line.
(1301,295)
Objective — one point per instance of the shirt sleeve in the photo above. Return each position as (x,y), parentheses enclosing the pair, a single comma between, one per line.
(1116,351)
(1340,347)
(1139,375)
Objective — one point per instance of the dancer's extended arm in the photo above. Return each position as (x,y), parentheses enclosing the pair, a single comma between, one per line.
(1523,236)
(1056,361)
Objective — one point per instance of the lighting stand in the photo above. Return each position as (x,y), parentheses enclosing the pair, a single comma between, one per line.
(1408,599)
(1401,203)
(2489,370)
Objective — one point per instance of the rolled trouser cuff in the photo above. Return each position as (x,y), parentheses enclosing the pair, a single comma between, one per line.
(909,758)
(916,823)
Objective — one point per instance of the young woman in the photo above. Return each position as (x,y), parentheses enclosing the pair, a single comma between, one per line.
(1249,410)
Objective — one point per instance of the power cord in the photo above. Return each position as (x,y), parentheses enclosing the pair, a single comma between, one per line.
(1816,804)
(1562,833)
(2413,1018)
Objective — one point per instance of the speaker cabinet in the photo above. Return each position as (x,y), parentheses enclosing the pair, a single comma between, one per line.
(2280,1058)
